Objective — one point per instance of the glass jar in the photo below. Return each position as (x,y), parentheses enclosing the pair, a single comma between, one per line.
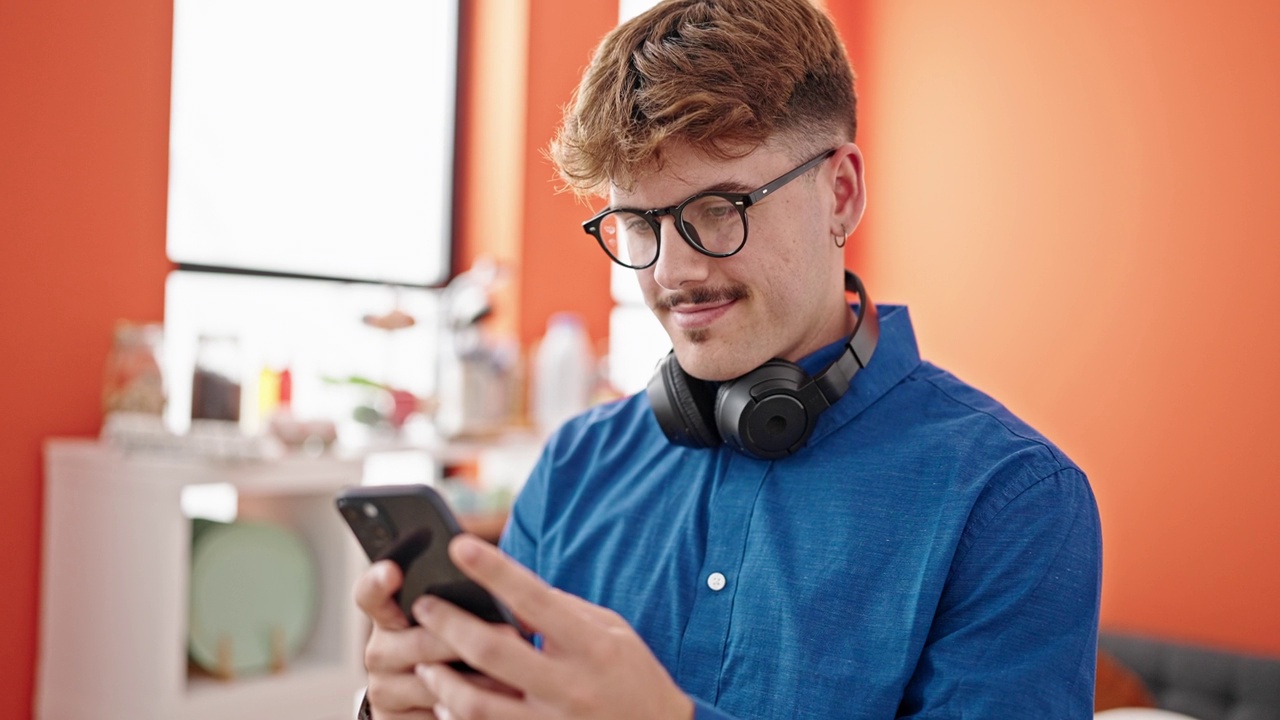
(215,382)
(132,381)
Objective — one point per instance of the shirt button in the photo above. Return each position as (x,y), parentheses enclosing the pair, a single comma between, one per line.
(716,581)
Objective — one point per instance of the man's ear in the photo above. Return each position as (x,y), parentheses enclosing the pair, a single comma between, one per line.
(850,190)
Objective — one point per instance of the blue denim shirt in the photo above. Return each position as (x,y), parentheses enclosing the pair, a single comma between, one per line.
(926,555)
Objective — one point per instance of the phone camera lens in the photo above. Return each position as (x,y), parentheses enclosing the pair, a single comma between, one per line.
(370,510)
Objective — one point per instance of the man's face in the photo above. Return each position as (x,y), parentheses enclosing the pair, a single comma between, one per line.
(782,295)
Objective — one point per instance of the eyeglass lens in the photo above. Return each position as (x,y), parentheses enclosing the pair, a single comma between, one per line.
(711,223)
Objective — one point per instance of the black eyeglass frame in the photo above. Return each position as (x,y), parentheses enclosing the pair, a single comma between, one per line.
(740,201)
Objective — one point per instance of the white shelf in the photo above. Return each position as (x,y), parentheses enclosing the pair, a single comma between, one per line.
(114,588)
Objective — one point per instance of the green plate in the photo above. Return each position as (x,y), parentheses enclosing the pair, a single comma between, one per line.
(253,597)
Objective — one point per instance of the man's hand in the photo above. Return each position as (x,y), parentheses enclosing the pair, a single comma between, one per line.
(592,664)
(395,648)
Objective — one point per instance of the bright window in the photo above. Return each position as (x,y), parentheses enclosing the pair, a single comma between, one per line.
(310,141)
(314,137)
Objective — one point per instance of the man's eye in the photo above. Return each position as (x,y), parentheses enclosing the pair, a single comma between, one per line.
(711,212)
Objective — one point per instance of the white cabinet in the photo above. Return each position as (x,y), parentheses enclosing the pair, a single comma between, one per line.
(114,604)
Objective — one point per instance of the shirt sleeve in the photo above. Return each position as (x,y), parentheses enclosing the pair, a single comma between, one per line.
(524,527)
(1015,633)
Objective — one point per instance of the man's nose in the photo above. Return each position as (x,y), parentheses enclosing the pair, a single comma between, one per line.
(678,262)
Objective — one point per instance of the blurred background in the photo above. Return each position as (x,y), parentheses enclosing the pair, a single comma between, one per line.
(1074,198)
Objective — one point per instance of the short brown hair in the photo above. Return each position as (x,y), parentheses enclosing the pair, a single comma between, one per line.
(723,76)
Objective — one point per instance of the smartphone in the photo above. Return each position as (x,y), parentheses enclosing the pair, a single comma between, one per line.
(411,525)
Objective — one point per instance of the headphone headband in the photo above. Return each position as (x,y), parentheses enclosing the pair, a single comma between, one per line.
(833,382)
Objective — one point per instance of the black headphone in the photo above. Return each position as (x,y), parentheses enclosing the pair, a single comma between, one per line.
(769,412)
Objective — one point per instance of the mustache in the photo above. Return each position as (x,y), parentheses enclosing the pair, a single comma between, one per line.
(703,296)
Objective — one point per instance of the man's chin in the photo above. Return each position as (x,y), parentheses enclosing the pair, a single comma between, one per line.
(699,363)
(697,336)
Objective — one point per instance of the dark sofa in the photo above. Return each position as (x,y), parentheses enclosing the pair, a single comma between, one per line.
(1204,683)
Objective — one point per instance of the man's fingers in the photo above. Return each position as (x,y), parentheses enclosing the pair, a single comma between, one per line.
(542,607)
(466,700)
(392,651)
(602,615)
(403,693)
(498,651)
(411,715)
(374,594)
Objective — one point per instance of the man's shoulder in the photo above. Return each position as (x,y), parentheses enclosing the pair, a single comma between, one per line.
(935,410)
(611,426)
(628,415)
(968,444)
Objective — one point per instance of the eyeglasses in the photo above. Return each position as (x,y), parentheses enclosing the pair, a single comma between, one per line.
(713,223)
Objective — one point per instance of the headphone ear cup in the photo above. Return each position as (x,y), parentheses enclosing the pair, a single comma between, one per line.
(683,405)
(763,414)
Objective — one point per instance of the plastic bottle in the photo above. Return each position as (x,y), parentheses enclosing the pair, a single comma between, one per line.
(564,373)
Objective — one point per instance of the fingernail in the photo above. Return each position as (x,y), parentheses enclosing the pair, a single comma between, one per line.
(441,712)
(384,574)
(426,673)
(424,606)
(467,548)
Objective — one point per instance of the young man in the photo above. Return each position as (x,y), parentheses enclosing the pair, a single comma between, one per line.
(863,536)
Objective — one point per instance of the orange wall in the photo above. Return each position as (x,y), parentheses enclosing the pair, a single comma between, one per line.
(83,172)
(525,58)
(1078,201)
(562,267)
(84,113)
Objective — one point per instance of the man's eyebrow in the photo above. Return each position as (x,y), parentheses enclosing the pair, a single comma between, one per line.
(725,186)
(730,186)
